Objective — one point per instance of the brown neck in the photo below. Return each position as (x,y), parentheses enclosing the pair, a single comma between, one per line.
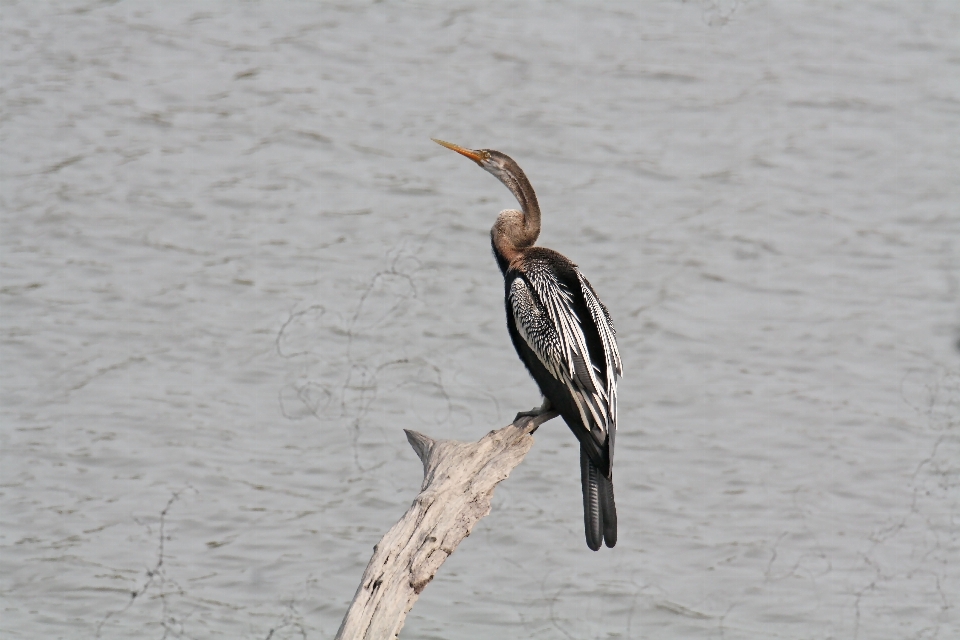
(504,252)
(509,237)
(521,189)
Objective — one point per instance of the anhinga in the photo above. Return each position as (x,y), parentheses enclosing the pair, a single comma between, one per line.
(563,333)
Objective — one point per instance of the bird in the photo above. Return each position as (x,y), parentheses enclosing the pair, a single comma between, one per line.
(563,334)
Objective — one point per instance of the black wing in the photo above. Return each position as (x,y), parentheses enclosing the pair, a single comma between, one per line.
(557,316)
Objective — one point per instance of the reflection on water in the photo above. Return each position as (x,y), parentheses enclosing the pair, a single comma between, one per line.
(235,267)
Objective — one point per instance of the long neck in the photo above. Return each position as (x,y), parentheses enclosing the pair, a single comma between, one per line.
(518,184)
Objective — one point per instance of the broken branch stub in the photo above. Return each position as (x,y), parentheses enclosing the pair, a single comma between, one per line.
(458,483)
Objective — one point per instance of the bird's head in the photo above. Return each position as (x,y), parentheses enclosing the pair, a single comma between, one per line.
(499,164)
(514,230)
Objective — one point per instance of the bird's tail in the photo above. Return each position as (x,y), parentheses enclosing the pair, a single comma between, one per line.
(599,508)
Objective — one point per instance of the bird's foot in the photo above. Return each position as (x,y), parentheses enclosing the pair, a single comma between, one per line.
(536,411)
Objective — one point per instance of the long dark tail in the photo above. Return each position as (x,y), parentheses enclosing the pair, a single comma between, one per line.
(599,508)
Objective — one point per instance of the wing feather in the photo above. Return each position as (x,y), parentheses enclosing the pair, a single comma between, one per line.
(608,337)
(545,316)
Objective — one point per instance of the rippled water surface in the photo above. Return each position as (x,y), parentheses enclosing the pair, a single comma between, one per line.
(234,267)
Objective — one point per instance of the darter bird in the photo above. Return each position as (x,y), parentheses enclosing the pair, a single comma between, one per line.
(565,337)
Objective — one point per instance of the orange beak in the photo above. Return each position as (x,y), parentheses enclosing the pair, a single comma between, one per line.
(473,155)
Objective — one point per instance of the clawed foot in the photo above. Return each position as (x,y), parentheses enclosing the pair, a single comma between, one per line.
(536,411)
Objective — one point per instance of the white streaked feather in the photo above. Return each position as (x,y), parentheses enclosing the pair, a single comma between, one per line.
(547,322)
(608,336)
(535,328)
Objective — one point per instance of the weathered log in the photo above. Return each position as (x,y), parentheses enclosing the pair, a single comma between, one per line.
(458,483)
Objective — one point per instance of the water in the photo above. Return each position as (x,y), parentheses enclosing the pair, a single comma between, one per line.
(234,267)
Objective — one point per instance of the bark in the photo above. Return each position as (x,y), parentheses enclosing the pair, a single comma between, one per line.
(458,483)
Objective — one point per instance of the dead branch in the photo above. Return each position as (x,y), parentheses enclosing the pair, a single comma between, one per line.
(458,483)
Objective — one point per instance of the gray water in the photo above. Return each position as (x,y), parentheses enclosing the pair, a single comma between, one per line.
(234,267)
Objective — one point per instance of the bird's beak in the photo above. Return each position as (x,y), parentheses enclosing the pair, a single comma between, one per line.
(470,153)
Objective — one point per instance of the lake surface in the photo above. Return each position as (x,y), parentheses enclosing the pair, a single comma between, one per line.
(234,267)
